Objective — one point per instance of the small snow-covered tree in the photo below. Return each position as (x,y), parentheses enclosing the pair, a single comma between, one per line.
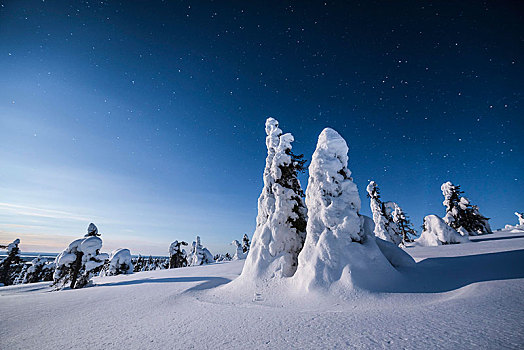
(79,261)
(119,263)
(245,244)
(92,231)
(282,215)
(36,271)
(385,227)
(20,276)
(460,214)
(239,253)
(404,225)
(12,258)
(177,255)
(520,216)
(198,254)
(139,263)
(436,232)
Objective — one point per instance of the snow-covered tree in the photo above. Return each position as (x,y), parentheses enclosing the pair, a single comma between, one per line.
(385,227)
(520,216)
(92,230)
(282,214)
(333,205)
(245,244)
(37,271)
(199,255)
(12,258)
(138,263)
(119,263)
(460,214)
(177,255)
(20,276)
(340,249)
(239,253)
(222,257)
(437,232)
(404,225)
(79,261)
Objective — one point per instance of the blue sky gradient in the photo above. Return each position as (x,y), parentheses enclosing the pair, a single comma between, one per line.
(147,118)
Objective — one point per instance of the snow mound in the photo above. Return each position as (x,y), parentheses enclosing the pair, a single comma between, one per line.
(119,263)
(340,253)
(436,232)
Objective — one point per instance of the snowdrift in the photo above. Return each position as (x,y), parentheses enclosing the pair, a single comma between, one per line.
(436,232)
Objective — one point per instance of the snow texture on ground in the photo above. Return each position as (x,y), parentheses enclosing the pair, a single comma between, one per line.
(459,296)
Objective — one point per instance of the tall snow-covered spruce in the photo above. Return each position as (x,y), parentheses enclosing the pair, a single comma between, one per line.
(282,215)
(339,252)
(460,214)
(385,227)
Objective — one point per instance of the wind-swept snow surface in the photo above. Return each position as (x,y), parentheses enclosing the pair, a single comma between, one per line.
(460,296)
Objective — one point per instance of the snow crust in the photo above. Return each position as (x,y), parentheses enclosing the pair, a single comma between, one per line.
(451,285)
(437,232)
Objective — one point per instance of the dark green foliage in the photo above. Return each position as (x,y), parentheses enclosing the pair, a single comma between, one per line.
(245,243)
(8,265)
(289,179)
(177,256)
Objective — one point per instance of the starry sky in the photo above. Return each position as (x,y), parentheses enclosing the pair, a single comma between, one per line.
(147,117)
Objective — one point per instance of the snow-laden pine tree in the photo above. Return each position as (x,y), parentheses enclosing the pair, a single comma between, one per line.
(198,254)
(282,214)
(385,226)
(92,230)
(460,214)
(12,258)
(436,232)
(79,261)
(404,225)
(245,244)
(340,247)
(119,263)
(20,276)
(36,271)
(239,253)
(177,255)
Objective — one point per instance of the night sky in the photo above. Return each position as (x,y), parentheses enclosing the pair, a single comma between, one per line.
(147,117)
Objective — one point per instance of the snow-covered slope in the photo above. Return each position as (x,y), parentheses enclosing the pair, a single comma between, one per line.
(456,297)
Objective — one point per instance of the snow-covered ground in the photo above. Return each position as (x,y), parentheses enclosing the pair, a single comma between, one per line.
(459,296)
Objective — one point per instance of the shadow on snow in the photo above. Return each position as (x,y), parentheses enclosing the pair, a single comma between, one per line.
(209,282)
(443,274)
